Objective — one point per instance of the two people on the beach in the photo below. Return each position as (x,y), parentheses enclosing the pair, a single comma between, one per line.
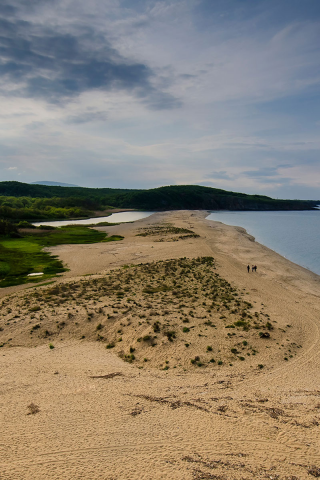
(253,268)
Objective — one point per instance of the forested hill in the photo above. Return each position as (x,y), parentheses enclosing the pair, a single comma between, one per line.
(194,197)
(22,201)
(17,189)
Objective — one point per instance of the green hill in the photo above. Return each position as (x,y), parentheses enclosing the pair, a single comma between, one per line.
(195,197)
(23,201)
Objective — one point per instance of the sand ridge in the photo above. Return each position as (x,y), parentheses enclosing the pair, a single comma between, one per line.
(209,421)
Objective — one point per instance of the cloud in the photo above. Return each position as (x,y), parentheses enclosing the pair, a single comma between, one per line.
(57,65)
(87,117)
(262,172)
(139,93)
(222,175)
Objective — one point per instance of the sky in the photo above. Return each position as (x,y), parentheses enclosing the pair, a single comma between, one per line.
(145,93)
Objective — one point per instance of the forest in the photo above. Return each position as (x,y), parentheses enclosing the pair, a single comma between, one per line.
(25,202)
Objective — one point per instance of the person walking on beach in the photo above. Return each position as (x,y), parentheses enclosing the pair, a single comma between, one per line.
(252,268)
(248,268)
(255,268)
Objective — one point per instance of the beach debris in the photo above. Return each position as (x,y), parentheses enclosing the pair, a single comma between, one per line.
(33,409)
(173,404)
(200,475)
(108,375)
(314,471)
(274,412)
(136,411)
(222,408)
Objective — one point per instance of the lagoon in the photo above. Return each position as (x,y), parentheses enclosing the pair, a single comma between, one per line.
(121,217)
(293,234)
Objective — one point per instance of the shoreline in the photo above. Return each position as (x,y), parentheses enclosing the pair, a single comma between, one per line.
(277,243)
(251,238)
(115,229)
(102,417)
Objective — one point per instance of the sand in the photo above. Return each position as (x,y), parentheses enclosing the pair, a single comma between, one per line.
(97,416)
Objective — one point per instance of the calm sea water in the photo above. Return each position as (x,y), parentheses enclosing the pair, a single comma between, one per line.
(295,235)
(121,217)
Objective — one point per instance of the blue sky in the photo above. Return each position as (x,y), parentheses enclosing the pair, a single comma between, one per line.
(144,93)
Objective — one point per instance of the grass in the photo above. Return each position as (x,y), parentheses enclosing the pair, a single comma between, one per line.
(21,256)
(116,304)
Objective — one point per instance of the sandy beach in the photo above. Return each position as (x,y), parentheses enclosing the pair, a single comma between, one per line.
(161,357)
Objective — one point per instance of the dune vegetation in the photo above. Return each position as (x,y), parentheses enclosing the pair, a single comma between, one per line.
(168,314)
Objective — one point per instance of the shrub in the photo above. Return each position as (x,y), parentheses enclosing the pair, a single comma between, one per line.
(196,360)
(264,334)
(25,224)
(34,309)
(170,335)
(186,329)
(35,327)
(129,358)
(156,327)
(209,348)
(240,323)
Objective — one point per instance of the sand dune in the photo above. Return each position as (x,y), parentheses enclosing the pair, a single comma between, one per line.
(148,406)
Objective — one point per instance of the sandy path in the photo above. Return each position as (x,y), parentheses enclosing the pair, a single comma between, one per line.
(227,424)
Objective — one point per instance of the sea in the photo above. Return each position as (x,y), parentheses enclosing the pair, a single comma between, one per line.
(295,235)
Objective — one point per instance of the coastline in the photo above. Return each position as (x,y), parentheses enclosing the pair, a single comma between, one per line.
(275,265)
(290,234)
(232,422)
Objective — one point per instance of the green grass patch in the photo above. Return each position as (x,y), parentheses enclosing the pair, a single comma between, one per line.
(70,234)
(22,256)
